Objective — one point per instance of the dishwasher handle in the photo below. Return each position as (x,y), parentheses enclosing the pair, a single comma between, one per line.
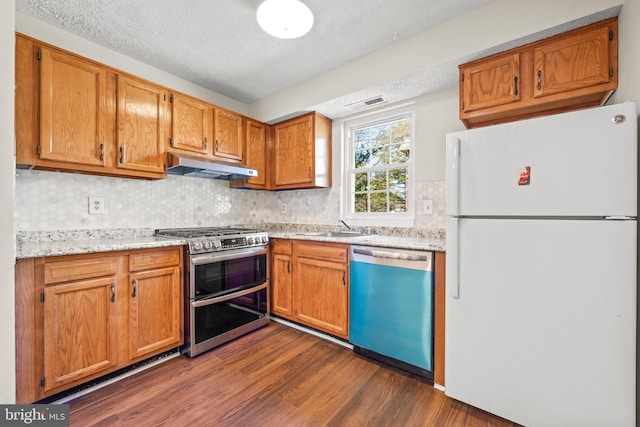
(390,255)
(418,260)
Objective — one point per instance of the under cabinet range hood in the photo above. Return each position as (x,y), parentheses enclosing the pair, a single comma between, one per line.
(181,164)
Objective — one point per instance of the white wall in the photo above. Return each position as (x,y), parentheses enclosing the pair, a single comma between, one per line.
(48,33)
(7,166)
(495,24)
(629,53)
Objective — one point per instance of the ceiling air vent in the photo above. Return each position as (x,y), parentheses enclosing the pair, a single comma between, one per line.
(376,100)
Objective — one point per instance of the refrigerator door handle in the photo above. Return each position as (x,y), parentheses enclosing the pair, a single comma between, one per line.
(453,174)
(453,269)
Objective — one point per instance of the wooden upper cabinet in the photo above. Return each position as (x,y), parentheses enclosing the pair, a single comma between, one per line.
(572,70)
(229,135)
(256,156)
(491,83)
(191,124)
(74,114)
(141,124)
(302,152)
(574,62)
(73,109)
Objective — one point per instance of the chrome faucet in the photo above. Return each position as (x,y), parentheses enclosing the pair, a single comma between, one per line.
(345,224)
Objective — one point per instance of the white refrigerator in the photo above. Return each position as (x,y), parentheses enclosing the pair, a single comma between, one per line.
(541,272)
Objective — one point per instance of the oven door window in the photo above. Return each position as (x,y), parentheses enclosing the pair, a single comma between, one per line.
(223,277)
(216,319)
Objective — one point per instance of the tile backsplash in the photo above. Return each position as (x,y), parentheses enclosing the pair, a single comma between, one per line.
(60,201)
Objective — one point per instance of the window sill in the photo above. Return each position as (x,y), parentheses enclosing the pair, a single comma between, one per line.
(373,220)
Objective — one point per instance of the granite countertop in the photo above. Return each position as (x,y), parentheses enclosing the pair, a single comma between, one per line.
(398,242)
(53,243)
(32,244)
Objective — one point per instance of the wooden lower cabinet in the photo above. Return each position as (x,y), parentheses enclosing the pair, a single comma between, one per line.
(322,294)
(155,314)
(310,284)
(281,302)
(79,317)
(79,330)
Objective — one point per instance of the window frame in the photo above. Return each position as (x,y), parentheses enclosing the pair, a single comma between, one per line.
(402,219)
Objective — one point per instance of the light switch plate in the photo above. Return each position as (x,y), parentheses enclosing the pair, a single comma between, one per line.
(427,207)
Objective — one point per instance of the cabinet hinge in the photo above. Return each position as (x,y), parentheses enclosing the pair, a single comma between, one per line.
(42,382)
(611,72)
(171,99)
(462,106)
(164,97)
(39,55)
(611,35)
(171,142)
(41,296)
(38,150)
(461,77)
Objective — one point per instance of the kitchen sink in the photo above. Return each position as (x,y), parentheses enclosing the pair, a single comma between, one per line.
(334,234)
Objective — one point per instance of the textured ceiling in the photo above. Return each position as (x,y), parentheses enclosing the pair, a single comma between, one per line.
(219,45)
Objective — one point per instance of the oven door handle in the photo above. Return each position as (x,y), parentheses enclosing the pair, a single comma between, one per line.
(227,255)
(215,300)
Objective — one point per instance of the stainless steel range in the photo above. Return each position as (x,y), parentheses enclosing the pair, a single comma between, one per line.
(226,278)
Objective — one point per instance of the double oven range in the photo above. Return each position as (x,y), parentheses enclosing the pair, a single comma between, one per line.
(226,278)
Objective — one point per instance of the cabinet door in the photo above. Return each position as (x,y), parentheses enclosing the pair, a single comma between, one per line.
(575,62)
(229,135)
(294,152)
(155,311)
(79,330)
(141,123)
(256,152)
(491,83)
(321,295)
(281,285)
(190,123)
(73,109)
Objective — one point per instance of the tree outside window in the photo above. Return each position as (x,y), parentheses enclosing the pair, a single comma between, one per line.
(380,167)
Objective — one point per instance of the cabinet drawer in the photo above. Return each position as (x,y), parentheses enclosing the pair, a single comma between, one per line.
(282,247)
(323,251)
(69,270)
(154,259)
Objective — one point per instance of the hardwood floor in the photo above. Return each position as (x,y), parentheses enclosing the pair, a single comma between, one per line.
(275,376)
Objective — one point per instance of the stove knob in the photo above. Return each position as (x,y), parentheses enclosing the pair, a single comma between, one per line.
(197,246)
(264,239)
(250,240)
(207,245)
(217,244)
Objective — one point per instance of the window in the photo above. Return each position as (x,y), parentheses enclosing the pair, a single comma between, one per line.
(379,168)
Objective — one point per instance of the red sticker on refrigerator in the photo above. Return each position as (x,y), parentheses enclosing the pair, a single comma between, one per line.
(524,176)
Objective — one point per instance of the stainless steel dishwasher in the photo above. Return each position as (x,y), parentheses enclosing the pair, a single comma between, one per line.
(391,307)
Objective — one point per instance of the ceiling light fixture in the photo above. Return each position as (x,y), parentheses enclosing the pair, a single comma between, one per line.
(285,19)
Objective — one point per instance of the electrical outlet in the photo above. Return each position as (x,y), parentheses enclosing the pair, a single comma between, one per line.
(427,207)
(96,205)
(283,208)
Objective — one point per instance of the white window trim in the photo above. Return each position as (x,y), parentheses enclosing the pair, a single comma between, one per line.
(390,219)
